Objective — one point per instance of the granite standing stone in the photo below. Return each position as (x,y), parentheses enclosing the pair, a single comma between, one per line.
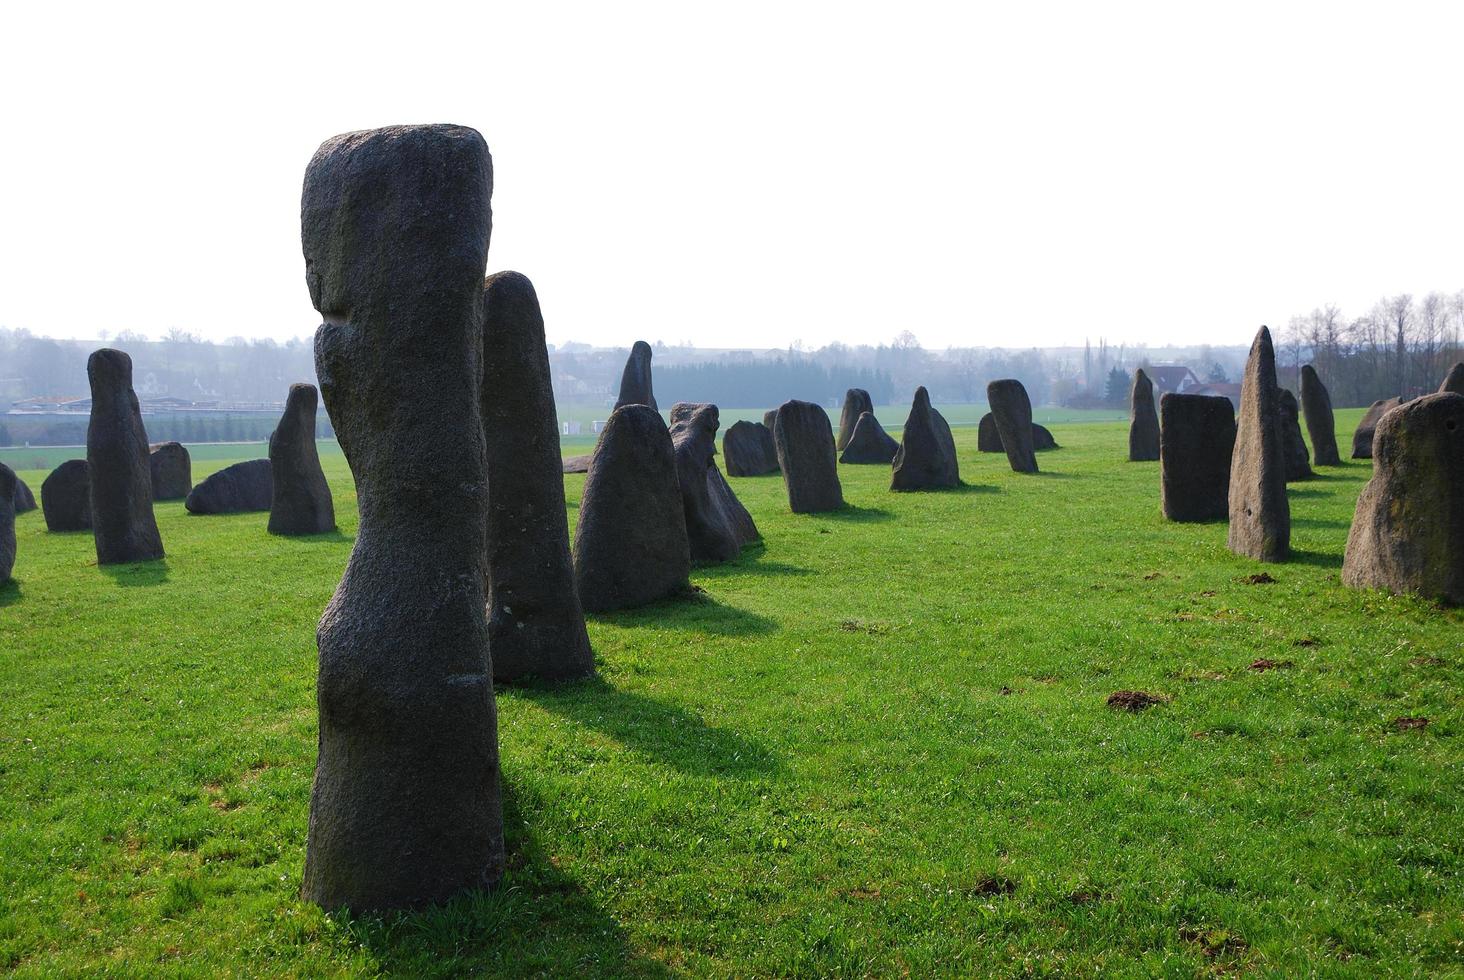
(1321,425)
(236,489)
(988,440)
(1298,458)
(536,627)
(66,497)
(1362,438)
(406,808)
(1196,440)
(716,522)
(1012,410)
(171,470)
(300,501)
(635,382)
(630,544)
(856,403)
(805,441)
(770,420)
(576,464)
(748,450)
(870,443)
(1143,420)
(1407,533)
(927,456)
(117,458)
(1042,439)
(1454,380)
(8,480)
(1260,515)
(25,501)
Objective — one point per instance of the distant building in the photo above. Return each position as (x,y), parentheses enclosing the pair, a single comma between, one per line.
(1172,377)
(1222,389)
(570,428)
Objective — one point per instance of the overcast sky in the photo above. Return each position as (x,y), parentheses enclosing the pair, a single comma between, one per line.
(751,175)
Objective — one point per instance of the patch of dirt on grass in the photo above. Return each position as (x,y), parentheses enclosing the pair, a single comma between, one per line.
(1428,662)
(1190,676)
(1307,641)
(988,885)
(1214,943)
(1004,690)
(1407,724)
(1259,578)
(1151,576)
(858,626)
(862,893)
(1263,664)
(1133,700)
(1208,594)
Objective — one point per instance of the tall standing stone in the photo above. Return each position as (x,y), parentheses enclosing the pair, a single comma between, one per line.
(117,457)
(927,456)
(1196,440)
(1260,515)
(635,381)
(536,627)
(1408,530)
(7,522)
(25,501)
(66,497)
(630,544)
(748,450)
(856,403)
(1321,425)
(870,443)
(716,521)
(1012,411)
(300,501)
(806,455)
(405,809)
(171,470)
(1143,420)
(1362,438)
(1454,380)
(1298,460)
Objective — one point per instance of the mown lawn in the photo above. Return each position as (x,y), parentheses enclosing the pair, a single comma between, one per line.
(877,745)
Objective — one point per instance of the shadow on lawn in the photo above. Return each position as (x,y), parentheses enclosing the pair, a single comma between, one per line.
(138,575)
(694,610)
(854,514)
(9,593)
(1319,559)
(329,537)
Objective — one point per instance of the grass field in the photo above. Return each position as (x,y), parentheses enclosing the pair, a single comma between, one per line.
(878,744)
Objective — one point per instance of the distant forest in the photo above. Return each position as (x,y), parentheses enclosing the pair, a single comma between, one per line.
(766,383)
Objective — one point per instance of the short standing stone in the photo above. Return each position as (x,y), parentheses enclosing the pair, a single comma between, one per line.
(66,497)
(747,449)
(116,454)
(927,456)
(806,455)
(635,381)
(1408,531)
(1042,439)
(1012,410)
(1454,380)
(1321,425)
(236,489)
(716,521)
(536,627)
(988,440)
(1298,460)
(171,470)
(25,501)
(1196,440)
(1143,420)
(630,545)
(870,443)
(300,501)
(8,480)
(1260,515)
(1362,439)
(576,464)
(770,419)
(856,403)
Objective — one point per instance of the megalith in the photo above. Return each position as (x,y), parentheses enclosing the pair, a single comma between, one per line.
(123,525)
(1454,380)
(171,471)
(988,440)
(770,419)
(1012,411)
(635,381)
(576,464)
(806,455)
(405,809)
(1407,533)
(1362,438)
(1196,440)
(747,449)
(1143,420)
(1321,425)
(1260,516)
(927,456)
(536,627)
(630,543)
(1042,438)
(870,443)
(856,403)
(8,480)
(715,524)
(236,489)
(66,497)
(25,501)
(1298,459)
(300,501)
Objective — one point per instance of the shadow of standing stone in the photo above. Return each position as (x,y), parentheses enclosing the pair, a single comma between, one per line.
(1196,440)
(123,525)
(1012,410)
(1321,424)
(635,381)
(806,455)
(66,497)
(1260,515)
(1143,420)
(300,501)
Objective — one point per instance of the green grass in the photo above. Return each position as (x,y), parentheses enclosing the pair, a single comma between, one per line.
(876,745)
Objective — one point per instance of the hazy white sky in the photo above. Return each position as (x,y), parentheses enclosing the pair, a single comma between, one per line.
(753,174)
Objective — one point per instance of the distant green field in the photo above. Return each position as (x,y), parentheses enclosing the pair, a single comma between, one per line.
(876,745)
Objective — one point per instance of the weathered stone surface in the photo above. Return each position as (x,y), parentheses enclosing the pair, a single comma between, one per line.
(870,443)
(236,489)
(927,456)
(123,525)
(1362,438)
(25,501)
(716,521)
(406,808)
(171,471)
(1260,515)
(576,464)
(1408,530)
(1012,410)
(988,439)
(66,497)
(8,481)
(1196,440)
(748,450)
(1042,439)
(1316,407)
(856,403)
(300,501)
(770,419)
(805,442)
(1143,420)
(536,627)
(630,544)
(635,382)
(1298,457)
(1454,380)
